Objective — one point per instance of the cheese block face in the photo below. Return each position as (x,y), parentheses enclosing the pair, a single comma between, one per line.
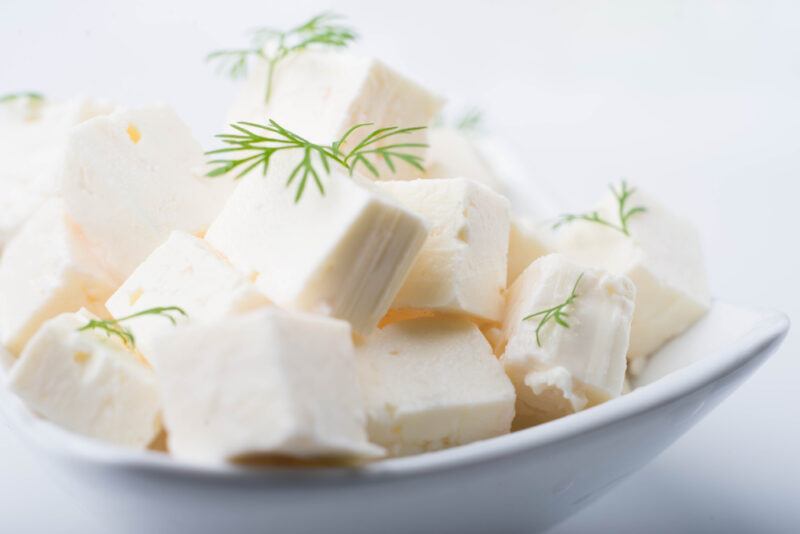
(565,369)
(432,383)
(453,153)
(265,383)
(527,242)
(185,272)
(462,266)
(48,268)
(344,254)
(320,95)
(88,383)
(131,178)
(662,256)
(33,137)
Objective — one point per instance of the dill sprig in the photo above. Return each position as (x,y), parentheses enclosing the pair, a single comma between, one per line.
(268,44)
(470,121)
(624,213)
(112,327)
(254,145)
(556,313)
(27,95)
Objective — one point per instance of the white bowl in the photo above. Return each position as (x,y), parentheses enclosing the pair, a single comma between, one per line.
(523,482)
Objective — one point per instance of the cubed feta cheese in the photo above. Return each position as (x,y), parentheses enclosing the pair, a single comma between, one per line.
(321,94)
(132,177)
(264,383)
(462,266)
(186,272)
(527,242)
(88,383)
(662,256)
(576,366)
(453,153)
(48,269)
(33,136)
(344,253)
(432,383)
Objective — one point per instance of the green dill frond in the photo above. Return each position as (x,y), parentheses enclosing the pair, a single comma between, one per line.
(22,95)
(624,213)
(556,313)
(112,327)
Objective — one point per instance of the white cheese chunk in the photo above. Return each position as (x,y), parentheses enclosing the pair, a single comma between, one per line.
(462,267)
(662,256)
(33,136)
(88,383)
(264,383)
(132,177)
(321,94)
(432,383)
(344,253)
(527,242)
(186,272)
(453,153)
(566,369)
(47,269)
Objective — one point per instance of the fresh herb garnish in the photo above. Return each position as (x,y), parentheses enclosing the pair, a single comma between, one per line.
(112,327)
(470,121)
(267,44)
(556,313)
(255,144)
(624,213)
(26,95)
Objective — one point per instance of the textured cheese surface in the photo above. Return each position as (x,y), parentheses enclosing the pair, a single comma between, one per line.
(187,272)
(47,269)
(432,383)
(33,136)
(662,257)
(575,366)
(88,383)
(268,382)
(321,94)
(344,254)
(131,177)
(527,242)
(462,266)
(452,153)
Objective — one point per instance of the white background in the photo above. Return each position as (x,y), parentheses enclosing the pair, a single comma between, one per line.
(699,102)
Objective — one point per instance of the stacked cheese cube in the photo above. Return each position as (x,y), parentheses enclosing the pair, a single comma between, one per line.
(392,315)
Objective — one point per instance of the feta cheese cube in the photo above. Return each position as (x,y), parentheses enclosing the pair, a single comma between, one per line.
(663,258)
(132,177)
(88,383)
(33,136)
(462,266)
(48,269)
(432,383)
(321,94)
(344,253)
(453,153)
(566,368)
(527,242)
(264,383)
(187,272)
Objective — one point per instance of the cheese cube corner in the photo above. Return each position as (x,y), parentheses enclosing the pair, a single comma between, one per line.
(47,269)
(321,94)
(453,153)
(132,177)
(265,383)
(662,256)
(343,254)
(559,369)
(88,383)
(527,242)
(462,267)
(186,272)
(432,383)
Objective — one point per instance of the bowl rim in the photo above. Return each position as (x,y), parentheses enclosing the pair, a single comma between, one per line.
(768,329)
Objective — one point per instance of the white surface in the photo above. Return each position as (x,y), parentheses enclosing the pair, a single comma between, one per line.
(697,101)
